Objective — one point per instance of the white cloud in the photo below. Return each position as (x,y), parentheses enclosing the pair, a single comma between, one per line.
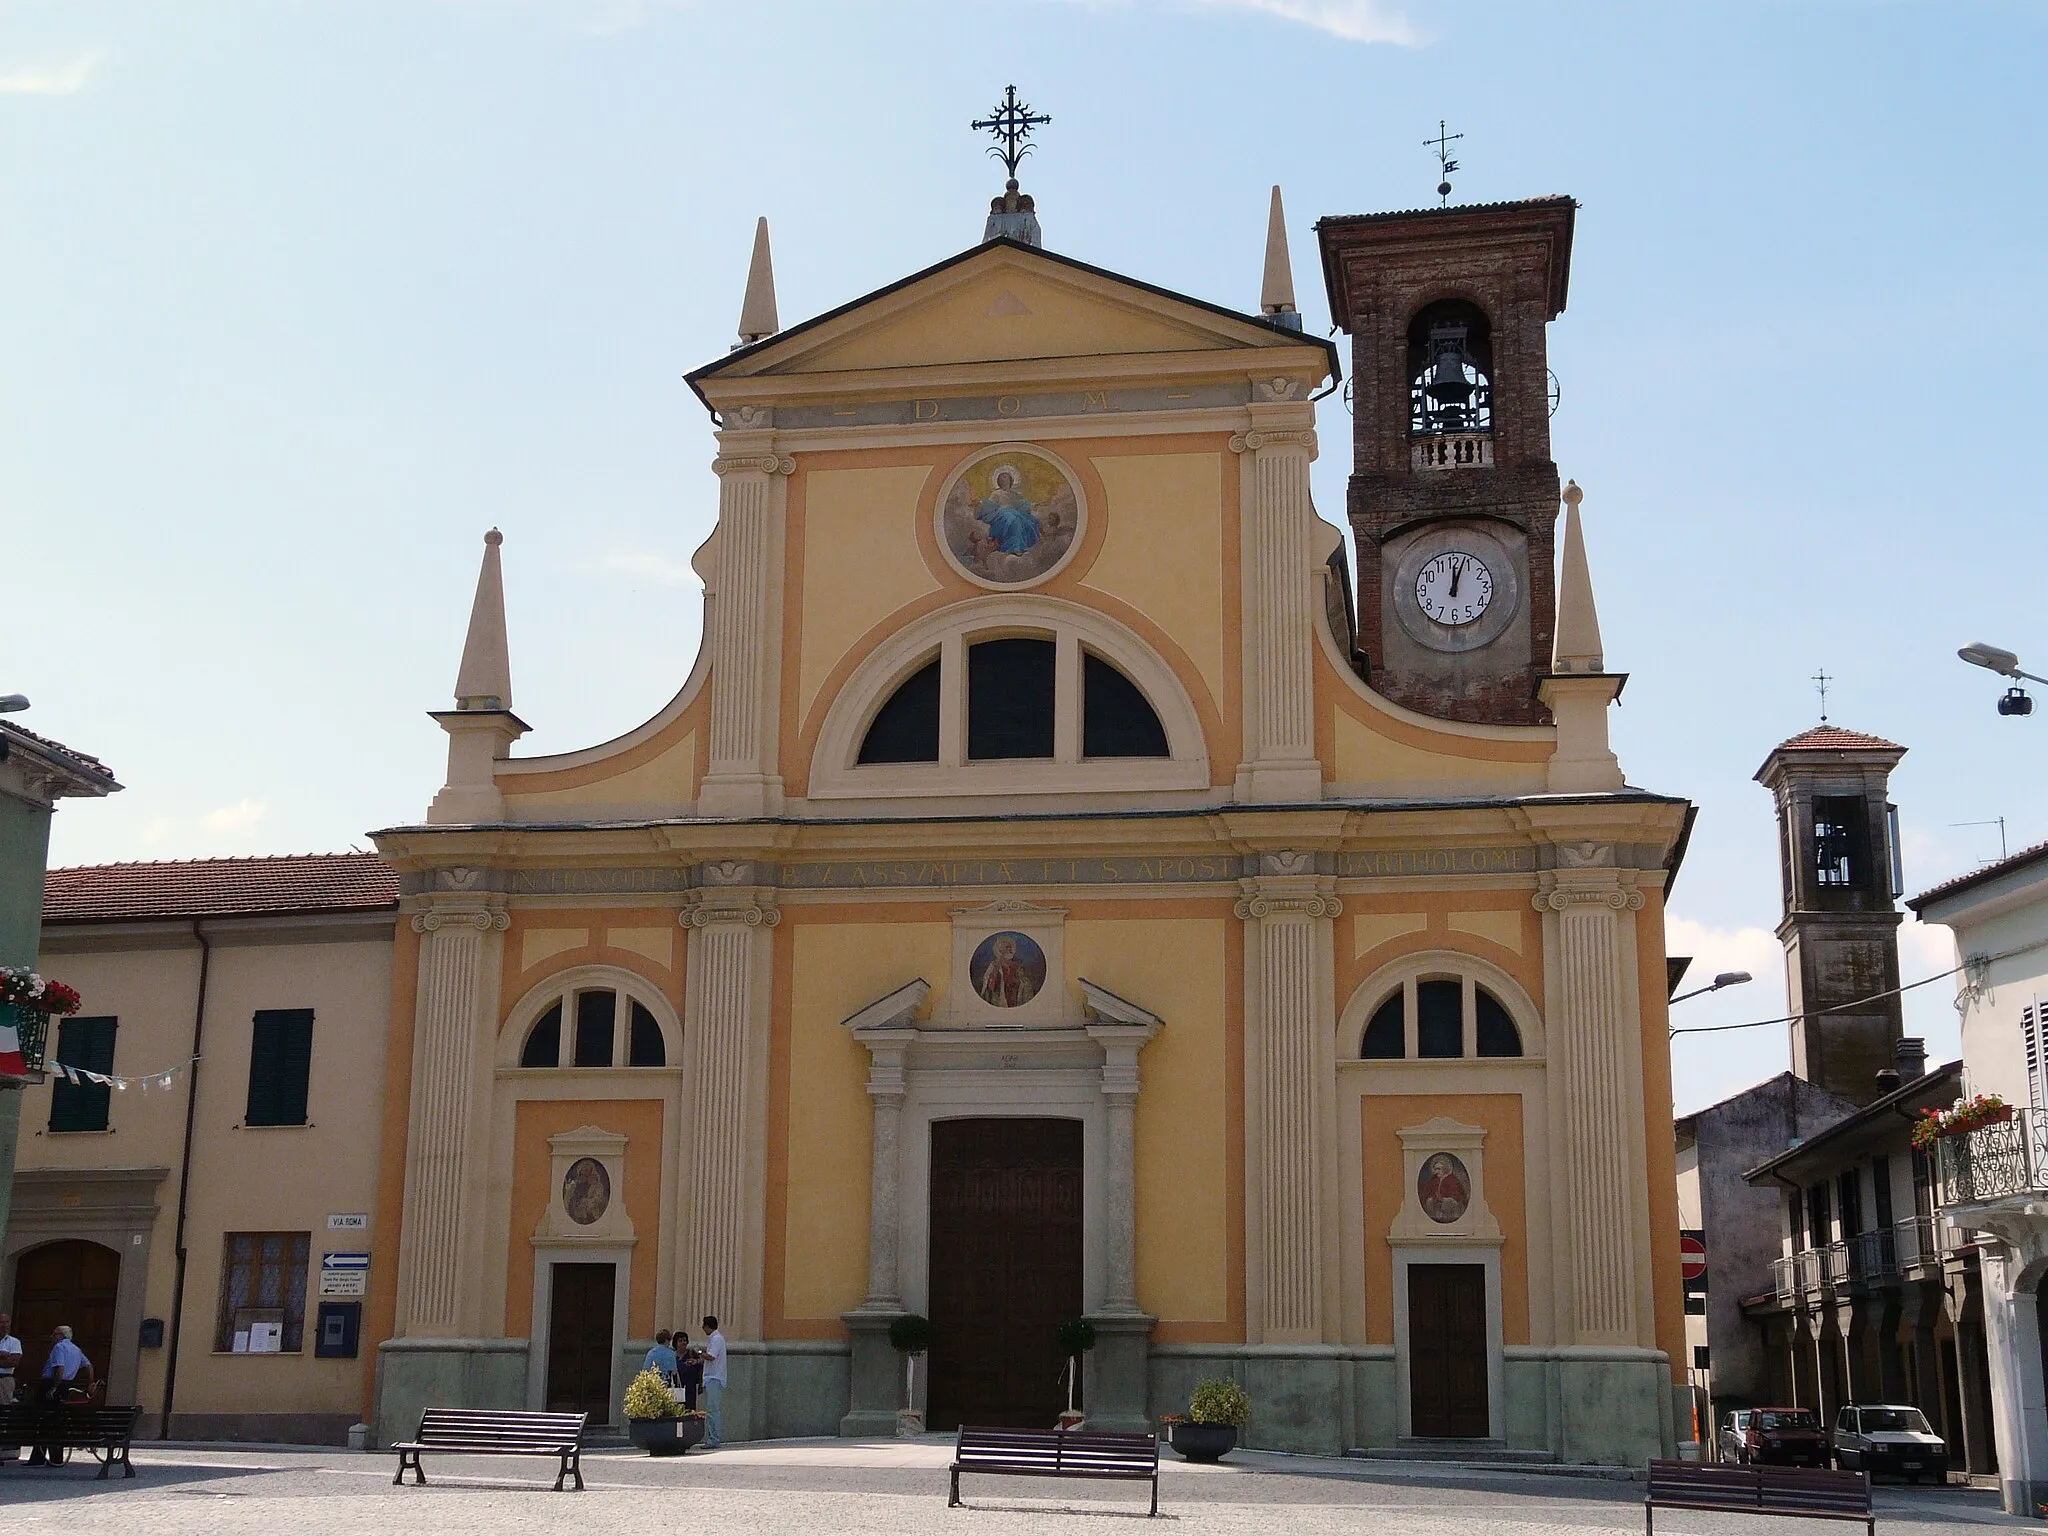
(48,79)
(643,565)
(1355,21)
(239,817)
(1714,950)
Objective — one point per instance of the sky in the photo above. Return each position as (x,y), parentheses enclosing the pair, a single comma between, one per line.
(304,295)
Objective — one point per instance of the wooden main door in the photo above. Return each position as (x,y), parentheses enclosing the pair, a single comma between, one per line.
(73,1283)
(580,1352)
(1005,1268)
(1447,1351)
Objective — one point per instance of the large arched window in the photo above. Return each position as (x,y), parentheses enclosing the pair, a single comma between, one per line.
(594,1026)
(955,706)
(1454,1018)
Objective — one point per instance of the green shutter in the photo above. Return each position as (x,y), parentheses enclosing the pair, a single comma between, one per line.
(87,1044)
(280,1062)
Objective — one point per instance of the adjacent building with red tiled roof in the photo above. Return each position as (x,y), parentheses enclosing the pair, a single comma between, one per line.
(287,884)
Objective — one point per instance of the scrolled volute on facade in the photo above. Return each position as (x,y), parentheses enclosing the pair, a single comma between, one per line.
(729,906)
(482,922)
(1252,442)
(1249,907)
(753,463)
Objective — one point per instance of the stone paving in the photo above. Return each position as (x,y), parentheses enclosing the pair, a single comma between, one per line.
(821,1488)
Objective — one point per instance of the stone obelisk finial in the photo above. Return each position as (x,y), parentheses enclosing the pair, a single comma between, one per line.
(1276,292)
(1579,688)
(484,680)
(757,310)
(481,727)
(1577,646)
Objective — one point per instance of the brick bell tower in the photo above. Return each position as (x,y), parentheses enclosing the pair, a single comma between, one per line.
(1453,495)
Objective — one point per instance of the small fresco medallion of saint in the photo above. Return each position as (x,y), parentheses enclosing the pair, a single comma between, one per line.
(586,1191)
(1011,517)
(1443,1187)
(1007,969)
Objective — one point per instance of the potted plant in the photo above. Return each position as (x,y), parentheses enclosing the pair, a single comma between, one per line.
(1217,1410)
(27,1002)
(1076,1337)
(1959,1119)
(911,1336)
(655,1421)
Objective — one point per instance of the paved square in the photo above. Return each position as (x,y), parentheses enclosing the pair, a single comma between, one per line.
(817,1487)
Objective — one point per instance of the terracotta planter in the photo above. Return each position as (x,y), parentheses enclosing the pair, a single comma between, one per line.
(665,1437)
(1203,1442)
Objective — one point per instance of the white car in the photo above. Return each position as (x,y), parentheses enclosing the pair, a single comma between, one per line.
(1889,1437)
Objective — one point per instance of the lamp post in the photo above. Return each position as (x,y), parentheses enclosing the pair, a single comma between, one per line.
(13,703)
(1725,979)
(1991,658)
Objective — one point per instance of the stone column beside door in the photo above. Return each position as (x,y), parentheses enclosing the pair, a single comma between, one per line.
(1117,1368)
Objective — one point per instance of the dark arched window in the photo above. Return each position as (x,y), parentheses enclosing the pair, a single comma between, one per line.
(1386,1036)
(543,1046)
(1116,719)
(1497,1033)
(596,1014)
(645,1048)
(906,729)
(1440,1019)
(1010,687)
(1450,370)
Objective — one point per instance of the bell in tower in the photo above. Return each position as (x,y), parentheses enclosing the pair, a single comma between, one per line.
(1453,496)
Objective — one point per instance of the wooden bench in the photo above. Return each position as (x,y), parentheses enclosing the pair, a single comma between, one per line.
(1130,1458)
(474,1432)
(55,1428)
(1812,1493)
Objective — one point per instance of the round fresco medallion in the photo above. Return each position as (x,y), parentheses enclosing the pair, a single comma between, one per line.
(1010,517)
(586,1191)
(1007,969)
(1444,1187)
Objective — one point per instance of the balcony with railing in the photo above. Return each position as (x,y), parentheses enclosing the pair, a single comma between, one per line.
(1998,1161)
(1451,450)
(1869,1258)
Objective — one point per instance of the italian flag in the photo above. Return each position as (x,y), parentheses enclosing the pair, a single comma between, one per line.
(12,1063)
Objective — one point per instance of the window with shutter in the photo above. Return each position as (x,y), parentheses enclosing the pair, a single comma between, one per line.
(88,1045)
(280,1066)
(2031,1024)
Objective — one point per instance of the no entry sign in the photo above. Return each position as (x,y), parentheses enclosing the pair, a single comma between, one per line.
(1692,1256)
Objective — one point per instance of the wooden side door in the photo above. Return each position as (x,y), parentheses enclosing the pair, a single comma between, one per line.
(580,1350)
(73,1283)
(1005,1268)
(1447,1351)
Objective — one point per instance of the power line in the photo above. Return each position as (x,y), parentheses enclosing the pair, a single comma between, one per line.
(1715,1029)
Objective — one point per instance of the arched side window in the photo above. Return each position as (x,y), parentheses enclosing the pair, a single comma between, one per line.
(1007,695)
(1432,1016)
(595,1018)
(1450,386)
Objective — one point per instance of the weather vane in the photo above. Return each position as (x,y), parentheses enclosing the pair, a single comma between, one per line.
(1010,124)
(1442,145)
(1820,682)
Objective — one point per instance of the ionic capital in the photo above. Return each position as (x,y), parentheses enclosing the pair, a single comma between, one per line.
(1284,903)
(444,917)
(1564,897)
(754,464)
(753,908)
(1252,442)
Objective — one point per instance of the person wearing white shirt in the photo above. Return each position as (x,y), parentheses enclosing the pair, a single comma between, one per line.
(67,1375)
(10,1362)
(714,1384)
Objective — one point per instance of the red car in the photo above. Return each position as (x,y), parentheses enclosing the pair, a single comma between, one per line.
(1778,1437)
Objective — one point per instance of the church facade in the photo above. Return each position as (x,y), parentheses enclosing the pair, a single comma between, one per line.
(1059,890)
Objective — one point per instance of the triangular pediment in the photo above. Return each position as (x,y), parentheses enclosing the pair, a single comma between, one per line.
(1003,303)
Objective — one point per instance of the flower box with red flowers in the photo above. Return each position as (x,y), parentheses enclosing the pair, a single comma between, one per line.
(1959,1119)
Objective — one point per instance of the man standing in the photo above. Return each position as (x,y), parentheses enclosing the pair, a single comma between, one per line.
(662,1358)
(67,1377)
(714,1384)
(10,1361)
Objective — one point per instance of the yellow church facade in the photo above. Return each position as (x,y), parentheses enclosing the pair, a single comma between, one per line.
(1029,909)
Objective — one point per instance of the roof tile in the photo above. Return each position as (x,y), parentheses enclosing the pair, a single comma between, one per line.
(1832,738)
(287,883)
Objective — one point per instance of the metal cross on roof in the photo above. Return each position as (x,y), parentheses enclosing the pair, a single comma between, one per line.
(1010,124)
(1820,682)
(1442,145)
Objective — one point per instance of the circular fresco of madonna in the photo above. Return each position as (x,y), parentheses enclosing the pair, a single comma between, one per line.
(1010,518)
(586,1191)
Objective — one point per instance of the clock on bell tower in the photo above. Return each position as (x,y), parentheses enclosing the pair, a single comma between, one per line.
(1453,496)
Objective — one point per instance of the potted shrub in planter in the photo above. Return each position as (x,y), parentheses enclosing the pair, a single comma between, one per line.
(1217,1410)
(911,1336)
(655,1421)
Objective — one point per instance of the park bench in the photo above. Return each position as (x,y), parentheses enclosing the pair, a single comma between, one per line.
(1808,1492)
(1092,1453)
(56,1428)
(478,1432)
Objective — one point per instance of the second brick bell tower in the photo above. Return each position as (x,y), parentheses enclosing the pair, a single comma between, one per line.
(1453,498)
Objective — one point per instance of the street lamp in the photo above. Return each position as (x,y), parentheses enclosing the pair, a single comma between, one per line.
(1725,979)
(2014,700)
(13,703)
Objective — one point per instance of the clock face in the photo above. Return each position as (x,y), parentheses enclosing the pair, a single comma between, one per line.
(1454,588)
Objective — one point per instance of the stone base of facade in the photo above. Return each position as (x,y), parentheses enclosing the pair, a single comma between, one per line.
(1585,1406)
(416,1374)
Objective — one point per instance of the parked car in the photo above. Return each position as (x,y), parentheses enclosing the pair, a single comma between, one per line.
(1778,1437)
(1890,1437)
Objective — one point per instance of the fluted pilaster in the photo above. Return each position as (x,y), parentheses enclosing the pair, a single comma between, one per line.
(1287,981)
(747,566)
(453,1020)
(1279,612)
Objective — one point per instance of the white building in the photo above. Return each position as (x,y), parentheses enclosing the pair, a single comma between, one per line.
(1995,1179)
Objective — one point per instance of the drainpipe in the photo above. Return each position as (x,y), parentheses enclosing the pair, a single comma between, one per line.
(185,1182)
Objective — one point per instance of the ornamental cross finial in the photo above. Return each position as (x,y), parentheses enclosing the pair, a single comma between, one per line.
(1010,124)
(1820,683)
(1442,145)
